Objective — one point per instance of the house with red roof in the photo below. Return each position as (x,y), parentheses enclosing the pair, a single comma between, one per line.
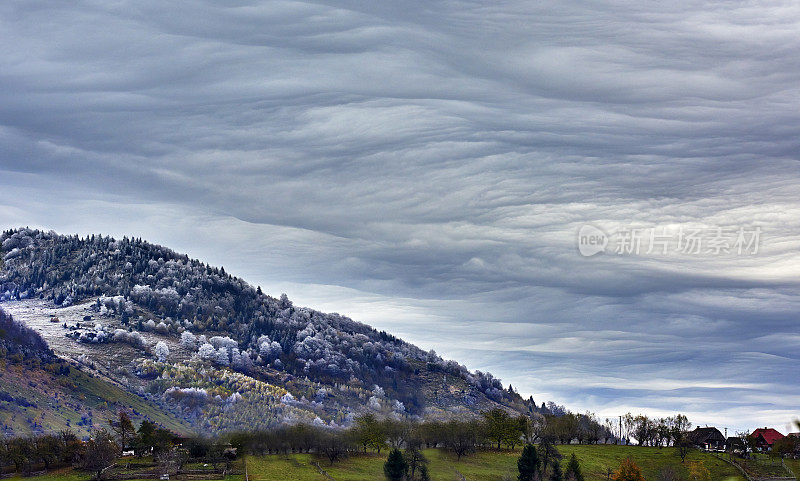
(766,437)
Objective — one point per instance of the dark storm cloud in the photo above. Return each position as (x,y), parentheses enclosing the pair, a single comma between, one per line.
(425,166)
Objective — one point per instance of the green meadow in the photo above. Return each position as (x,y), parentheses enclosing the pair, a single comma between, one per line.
(595,461)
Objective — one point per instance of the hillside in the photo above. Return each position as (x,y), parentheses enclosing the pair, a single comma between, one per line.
(19,344)
(216,352)
(40,392)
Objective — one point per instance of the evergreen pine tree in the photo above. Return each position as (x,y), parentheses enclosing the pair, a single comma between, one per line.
(556,475)
(528,463)
(395,467)
(573,472)
(423,473)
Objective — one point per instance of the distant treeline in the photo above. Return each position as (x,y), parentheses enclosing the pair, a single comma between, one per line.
(492,430)
(495,429)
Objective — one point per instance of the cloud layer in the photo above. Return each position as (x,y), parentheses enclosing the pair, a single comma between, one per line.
(425,167)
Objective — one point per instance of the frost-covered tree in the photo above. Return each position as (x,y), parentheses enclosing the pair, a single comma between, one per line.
(207,352)
(269,350)
(241,361)
(188,340)
(222,358)
(133,338)
(225,342)
(374,403)
(161,351)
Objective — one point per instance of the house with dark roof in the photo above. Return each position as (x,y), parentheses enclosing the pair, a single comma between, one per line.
(708,438)
(766,437)
(736,445)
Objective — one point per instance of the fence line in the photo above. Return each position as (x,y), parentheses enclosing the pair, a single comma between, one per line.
(788,469)
(323,472)
(741,469)
(751,478)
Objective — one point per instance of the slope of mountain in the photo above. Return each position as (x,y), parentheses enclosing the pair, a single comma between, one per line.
(40,392)
(19,344)
(214,351)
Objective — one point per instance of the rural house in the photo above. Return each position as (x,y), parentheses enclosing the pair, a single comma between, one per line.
(765,438)
(708,438)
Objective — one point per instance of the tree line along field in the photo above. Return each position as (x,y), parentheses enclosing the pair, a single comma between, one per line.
(489,465)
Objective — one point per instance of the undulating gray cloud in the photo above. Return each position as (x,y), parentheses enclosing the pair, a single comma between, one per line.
(425,167)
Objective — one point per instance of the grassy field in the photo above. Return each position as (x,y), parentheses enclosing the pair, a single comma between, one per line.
(66,474)
(485,466)
(761,465)
(794,465)
(443,466)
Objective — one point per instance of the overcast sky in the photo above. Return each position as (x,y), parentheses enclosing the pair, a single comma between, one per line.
(425,166)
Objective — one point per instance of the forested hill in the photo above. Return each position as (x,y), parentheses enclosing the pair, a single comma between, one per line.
(151,288)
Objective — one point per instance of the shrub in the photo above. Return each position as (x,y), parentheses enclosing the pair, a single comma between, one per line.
(628,471)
